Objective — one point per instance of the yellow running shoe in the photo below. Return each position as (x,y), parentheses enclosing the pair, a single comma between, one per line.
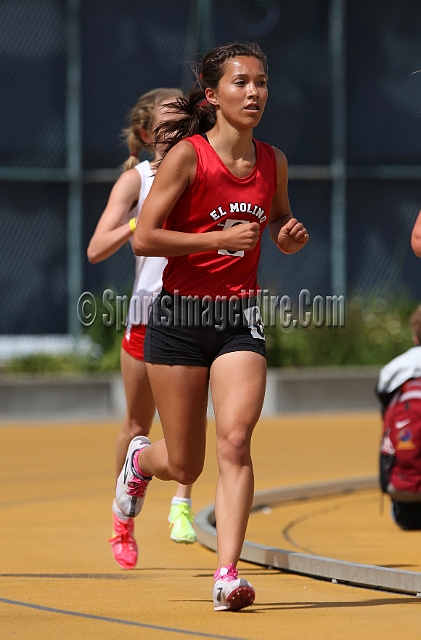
(181,518)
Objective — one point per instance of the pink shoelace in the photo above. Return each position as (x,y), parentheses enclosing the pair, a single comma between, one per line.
(226,573)
(137,487)
(123,531)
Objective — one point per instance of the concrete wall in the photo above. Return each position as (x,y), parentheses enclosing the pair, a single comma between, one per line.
(321,389)
(288,391)
(73,397)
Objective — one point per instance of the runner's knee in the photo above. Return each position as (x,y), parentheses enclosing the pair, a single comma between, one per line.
(134,427)
(186,473)
(234,447)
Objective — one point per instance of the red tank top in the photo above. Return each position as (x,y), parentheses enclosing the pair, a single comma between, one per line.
(217,199)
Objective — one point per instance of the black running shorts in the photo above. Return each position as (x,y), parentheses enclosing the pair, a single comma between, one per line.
(195,331)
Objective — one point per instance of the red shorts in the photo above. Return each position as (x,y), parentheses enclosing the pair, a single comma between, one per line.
(133,340)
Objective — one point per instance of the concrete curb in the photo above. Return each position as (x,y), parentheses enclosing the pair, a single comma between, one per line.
(101,396)
(338,571)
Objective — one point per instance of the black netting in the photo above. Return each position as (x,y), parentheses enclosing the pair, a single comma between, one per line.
(381,215)
(33,258)
(384,94)
(129,47)
(32,83)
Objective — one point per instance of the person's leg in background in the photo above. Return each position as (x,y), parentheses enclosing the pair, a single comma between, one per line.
(138,420)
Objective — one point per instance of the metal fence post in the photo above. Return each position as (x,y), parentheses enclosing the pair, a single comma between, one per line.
(74,165)
(338,154)
(199,37)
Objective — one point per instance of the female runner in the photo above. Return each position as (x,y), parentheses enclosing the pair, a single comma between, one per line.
(213,194)
(115,228)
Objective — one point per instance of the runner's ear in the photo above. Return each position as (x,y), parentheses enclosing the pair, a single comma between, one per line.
(145,136)
(212,96)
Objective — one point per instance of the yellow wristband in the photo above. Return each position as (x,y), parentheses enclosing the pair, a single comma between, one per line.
(132,224)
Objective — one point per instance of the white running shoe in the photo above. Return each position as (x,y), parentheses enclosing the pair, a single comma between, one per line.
(231,593)
(131,488)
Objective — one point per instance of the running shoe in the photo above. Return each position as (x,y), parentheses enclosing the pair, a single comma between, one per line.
(123,545)
(131,487)
(231,593)
(181,518)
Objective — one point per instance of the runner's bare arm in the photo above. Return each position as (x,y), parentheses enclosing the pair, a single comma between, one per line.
(416,236)
(288,234)
(110,233)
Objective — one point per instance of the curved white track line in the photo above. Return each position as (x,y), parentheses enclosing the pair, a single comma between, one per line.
(315,566)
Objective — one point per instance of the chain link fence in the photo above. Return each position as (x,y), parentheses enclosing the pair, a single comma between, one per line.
(127,47)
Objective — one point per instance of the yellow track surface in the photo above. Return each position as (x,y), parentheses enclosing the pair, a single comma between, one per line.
(58,579)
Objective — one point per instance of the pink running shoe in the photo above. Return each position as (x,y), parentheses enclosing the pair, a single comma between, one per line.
(123,544)
(231,593)
(131,488)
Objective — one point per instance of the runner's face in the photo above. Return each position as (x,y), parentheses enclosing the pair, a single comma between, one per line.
(242,92)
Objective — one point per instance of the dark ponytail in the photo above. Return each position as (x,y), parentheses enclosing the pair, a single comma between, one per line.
(197,116)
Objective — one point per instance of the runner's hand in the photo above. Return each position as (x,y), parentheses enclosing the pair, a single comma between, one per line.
(240,237)
(292,236)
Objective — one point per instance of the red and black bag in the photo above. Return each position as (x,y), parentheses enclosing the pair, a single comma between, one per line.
(400,455)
